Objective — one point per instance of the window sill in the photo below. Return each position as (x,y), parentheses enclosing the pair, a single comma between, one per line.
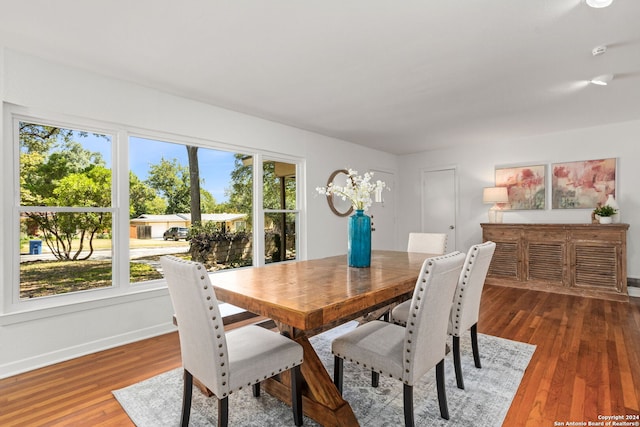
(12,318)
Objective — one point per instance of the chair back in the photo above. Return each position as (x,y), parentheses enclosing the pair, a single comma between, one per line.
(426,330)
(466,300)
(430,243)
(202,341)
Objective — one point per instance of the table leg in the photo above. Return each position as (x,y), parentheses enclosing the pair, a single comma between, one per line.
(321,400)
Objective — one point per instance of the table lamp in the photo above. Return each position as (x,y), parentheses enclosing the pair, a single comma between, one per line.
(495,195)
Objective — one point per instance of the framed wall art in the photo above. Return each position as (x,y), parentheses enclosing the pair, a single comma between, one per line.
(525,185)
(582,184)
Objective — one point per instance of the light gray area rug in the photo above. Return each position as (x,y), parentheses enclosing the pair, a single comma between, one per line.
(484,402)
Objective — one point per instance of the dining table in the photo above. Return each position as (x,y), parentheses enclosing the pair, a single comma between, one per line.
(305,298)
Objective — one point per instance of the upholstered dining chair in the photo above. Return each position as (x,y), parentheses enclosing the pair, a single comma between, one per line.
(407,353)
(466,304)
(431,243)
(224,363)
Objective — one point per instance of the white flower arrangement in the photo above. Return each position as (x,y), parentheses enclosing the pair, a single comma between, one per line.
(357,190)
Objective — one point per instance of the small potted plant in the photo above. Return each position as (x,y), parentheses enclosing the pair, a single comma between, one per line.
(605,213)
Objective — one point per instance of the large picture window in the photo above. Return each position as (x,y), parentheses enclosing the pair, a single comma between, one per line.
(96,206)
(188,201)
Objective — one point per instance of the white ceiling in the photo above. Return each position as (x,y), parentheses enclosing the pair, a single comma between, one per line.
(399,76)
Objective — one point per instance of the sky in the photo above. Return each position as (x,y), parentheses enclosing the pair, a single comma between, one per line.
(215,165)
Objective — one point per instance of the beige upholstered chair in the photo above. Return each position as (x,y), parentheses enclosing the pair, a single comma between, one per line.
(431,243)
(224,363)
(407,353)
(466,303)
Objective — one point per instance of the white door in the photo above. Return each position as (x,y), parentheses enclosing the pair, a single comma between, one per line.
(439,204)
(383,214)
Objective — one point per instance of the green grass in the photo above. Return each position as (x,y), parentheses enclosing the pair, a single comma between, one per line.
(45,278)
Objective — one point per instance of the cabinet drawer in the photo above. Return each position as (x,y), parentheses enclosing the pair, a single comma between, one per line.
(599,235)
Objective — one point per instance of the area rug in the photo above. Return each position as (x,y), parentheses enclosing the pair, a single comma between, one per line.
(484,401)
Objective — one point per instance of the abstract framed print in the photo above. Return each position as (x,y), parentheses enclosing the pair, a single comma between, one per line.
(526,186)
(582,184)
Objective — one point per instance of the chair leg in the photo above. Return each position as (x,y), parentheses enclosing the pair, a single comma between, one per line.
(256,390)
(375,378)
(223,412)
(337,372)
(474,345)
(296,395)
(457,363)
(187,392)
(407,393)
(442,394)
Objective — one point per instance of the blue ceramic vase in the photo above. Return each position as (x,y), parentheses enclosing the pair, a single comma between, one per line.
(359,251)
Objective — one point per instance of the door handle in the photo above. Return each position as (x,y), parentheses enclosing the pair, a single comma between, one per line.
(451,227)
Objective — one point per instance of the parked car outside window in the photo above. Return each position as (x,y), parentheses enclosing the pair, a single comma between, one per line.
(175,233)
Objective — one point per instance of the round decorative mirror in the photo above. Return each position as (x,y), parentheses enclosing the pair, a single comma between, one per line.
(336,204)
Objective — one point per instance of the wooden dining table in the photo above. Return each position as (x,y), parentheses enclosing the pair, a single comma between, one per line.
(305,298)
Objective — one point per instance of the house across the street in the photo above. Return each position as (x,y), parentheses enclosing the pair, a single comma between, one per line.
(153,226)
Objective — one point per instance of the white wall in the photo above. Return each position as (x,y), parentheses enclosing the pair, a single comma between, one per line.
(476,167)
(29,340)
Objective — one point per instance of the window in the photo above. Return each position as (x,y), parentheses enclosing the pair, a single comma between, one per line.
(65,210)
(162,220)
(85,227)
(280,210)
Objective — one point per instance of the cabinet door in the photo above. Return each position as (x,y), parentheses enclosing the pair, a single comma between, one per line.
(506,261)
(596,266)
(597,260)
(545,256)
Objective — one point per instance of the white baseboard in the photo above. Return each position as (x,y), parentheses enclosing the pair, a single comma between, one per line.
(15,368)
(634,291)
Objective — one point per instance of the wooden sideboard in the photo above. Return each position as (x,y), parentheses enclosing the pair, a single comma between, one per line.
(581,259)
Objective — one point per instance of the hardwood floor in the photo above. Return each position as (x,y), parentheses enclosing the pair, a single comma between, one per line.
(587,360)
(586,364)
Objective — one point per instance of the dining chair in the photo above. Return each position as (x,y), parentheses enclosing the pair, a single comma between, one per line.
(431,243)
(407,353)
(224,362)
(466,303)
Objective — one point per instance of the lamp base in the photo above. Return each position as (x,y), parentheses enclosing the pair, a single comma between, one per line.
(495,216)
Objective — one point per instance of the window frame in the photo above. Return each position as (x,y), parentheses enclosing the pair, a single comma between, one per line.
(13,309)
(297,211)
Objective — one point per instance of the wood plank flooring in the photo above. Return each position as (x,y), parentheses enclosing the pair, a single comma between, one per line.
(587,363)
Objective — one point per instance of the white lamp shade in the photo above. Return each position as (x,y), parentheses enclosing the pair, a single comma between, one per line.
(495,195)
